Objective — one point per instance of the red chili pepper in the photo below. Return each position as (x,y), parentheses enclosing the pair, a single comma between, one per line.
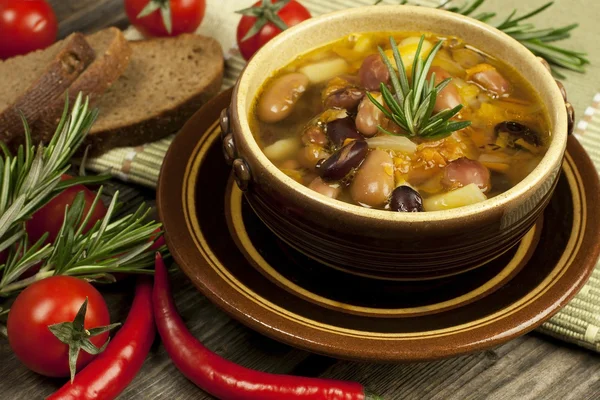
(223,378)
(110,373)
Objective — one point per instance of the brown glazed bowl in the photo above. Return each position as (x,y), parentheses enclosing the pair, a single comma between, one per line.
(382,243)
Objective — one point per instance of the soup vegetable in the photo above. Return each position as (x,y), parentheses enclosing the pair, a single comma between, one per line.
(401,121)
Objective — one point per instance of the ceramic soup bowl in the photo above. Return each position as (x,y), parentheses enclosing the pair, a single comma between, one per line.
(383,243)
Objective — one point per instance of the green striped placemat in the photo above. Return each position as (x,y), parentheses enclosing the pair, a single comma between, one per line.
(578,322)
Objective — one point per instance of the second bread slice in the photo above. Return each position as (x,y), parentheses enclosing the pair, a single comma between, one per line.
(112,57)
(167,80)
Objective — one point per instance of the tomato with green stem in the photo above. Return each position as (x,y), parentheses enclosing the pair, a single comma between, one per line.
(165,17)
(265,20)
(58,325)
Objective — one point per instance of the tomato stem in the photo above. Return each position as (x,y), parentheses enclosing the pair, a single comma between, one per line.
(77,337)
(165,11)
(265,13)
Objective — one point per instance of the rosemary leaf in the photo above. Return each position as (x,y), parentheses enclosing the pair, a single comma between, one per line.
(414,113)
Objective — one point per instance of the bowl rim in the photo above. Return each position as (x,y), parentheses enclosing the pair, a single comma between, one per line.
(549,164)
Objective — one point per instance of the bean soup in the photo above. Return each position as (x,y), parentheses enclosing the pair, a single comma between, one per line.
(401,121)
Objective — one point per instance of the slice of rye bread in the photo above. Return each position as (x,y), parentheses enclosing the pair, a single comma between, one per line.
(112,57)
(31,82)
(167,80)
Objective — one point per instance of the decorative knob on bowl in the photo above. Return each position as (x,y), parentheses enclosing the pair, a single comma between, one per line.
(241,173)
(227,142)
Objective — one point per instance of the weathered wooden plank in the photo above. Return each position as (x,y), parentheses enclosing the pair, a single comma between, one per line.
(530,367)
(88,15)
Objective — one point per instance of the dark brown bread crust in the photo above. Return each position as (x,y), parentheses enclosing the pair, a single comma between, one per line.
(93,82)
(155,127)
(64,69)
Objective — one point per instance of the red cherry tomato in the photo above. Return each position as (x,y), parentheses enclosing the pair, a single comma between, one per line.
(25,26)
(50,301)
(186,16)
(50,217)
(292,14)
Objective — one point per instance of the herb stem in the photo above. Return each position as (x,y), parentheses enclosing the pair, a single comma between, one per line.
(23,283)
(527,34)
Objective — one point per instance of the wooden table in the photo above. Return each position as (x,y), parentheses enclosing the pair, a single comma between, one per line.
(531,367)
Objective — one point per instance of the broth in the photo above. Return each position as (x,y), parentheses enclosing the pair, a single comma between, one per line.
(314,121)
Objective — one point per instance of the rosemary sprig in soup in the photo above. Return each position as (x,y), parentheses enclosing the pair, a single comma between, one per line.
(411,106)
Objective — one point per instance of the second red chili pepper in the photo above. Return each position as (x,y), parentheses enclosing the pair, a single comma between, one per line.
(110,373)
(225,379)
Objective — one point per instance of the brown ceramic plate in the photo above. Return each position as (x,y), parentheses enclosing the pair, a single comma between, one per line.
(277,291)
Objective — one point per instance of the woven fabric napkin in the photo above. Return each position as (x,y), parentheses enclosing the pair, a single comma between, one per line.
(578,322)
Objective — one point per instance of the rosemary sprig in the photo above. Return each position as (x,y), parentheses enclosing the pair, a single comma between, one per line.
(29,179)
(111,245)
(536,40)
(411,106)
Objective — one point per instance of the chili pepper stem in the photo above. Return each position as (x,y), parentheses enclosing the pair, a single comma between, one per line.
(371,396)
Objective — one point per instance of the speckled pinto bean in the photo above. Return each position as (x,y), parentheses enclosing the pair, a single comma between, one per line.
(374,180)
(314,135)
(279,99)
(369,116)
(447,98)
(463,171)
(493,81)
(373,72)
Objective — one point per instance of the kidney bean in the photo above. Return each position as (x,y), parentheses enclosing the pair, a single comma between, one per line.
(314,135)
(329,190)
(372,72)
(492,80)
(346,98)
(341,129)
(447,98)
(406,199)
(310,155)
(374,180)
(369,117)
(279,99)
(464,171)
(519,131)
(343,161)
